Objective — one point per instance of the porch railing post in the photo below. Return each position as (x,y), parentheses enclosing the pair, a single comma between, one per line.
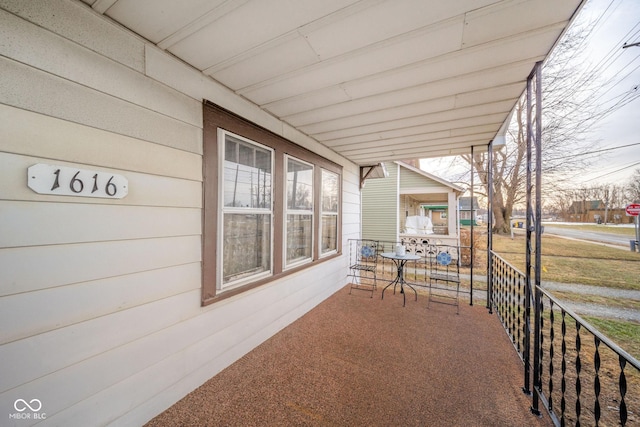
(471,238)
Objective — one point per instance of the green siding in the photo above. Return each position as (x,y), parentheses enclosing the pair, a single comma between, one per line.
(411,179)
(380,207)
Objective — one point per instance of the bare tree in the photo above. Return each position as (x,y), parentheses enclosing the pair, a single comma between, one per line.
(571,110)
(560,203)
(633,188)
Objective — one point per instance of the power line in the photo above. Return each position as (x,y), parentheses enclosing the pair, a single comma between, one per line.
(615,171)
(597,151)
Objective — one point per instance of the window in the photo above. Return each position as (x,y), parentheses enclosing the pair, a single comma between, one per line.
(329,222)
(299,229)
(271,207)
(246,210)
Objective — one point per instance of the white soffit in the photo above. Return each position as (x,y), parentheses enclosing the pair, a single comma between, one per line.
(374,80)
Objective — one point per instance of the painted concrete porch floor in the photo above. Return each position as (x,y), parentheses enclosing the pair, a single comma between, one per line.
(360,361)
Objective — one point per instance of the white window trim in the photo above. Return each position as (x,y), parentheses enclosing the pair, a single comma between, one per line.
(220,285)
(287,212)
(328,213)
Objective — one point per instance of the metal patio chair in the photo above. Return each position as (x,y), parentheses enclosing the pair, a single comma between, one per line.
(363,263)
(444,275)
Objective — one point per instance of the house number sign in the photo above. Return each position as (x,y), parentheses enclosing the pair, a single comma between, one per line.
(66,181)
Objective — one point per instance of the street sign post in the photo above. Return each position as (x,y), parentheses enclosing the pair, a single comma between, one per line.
(633,209)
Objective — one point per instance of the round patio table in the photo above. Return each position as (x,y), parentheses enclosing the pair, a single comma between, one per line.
(400,261)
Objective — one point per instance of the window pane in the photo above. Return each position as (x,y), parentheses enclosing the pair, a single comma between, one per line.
(263,161)
(247,175)
(329,192)
(329,233)
(245,155)
(246,246)
(299,185)
(298,237)
(231,150)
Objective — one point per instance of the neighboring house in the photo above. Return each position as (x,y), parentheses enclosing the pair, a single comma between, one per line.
(467,213)
(179,180)
(410,203)
(595,211)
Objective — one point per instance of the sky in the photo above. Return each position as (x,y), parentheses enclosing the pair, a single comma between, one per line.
(619,24)
(614,23)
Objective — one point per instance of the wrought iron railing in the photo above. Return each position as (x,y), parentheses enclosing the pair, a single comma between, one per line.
(512,303)
(579,375)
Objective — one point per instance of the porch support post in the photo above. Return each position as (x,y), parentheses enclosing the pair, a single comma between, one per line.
(490,228)
(528,247)
(471,238)
(452,216)
(537,228)
(538,219)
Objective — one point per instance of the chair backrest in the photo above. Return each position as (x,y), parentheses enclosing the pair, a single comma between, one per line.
(363,250)
(444,257)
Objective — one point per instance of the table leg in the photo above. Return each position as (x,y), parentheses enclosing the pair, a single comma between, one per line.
(412,288)
(394,283)
(400,280)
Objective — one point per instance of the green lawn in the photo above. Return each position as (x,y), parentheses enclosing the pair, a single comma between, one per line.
(571,261)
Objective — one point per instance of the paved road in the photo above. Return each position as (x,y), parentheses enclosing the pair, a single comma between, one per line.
(594,236)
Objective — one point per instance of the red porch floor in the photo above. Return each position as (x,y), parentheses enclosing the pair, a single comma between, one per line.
(360,361)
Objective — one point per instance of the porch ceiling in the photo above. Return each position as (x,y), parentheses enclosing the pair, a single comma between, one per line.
(373,80)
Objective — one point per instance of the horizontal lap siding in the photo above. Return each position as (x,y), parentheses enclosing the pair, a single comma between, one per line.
(411,179)
(350,205)
(100,298)
(95,290)
(37,135)
(380,207)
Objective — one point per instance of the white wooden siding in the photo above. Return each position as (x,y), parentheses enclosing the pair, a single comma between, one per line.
(75,22)
(35,90)
(58,224)
(145,189)
(41,267)
(77,302)
(350,205)
(88,68)
(45,137)
(99,298)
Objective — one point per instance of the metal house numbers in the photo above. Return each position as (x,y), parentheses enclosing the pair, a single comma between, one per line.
(66,181)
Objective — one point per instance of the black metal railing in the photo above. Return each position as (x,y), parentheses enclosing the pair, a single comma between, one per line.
(512,303)
(599,383)
(580,376)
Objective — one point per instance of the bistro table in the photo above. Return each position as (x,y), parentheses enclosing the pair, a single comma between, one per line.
(400,261)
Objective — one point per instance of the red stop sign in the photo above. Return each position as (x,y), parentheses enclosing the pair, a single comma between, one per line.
(633,209)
